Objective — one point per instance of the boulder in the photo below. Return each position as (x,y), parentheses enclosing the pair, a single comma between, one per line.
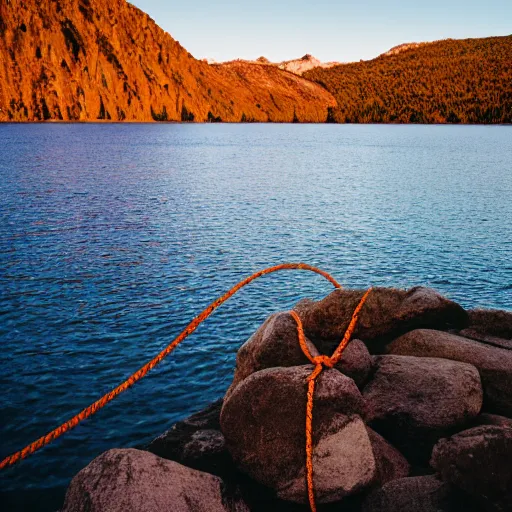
(387,313)
(491,326)
(492,419)
(196,442)
(414,401)
(494,364)
(492,322)
(274,344)
(476,335)
(416,494)
(137,481)
(391,464)
(478,461)
(356,362)
(263,421)
(207,418)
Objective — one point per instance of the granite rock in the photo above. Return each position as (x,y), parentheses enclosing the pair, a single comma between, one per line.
(387,313)
(263,423)
(131,480)
(494,364)
(478,462)
(414,401)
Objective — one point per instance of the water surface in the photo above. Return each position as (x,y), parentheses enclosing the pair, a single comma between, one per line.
(112,237)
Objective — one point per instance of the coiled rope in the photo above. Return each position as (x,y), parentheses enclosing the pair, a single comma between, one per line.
(192,326)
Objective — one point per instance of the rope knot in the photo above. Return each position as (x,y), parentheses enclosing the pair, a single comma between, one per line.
(323,360)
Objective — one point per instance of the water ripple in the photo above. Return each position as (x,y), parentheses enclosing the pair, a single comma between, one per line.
(113,237)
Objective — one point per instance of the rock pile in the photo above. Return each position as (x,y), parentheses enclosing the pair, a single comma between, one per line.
(416,417)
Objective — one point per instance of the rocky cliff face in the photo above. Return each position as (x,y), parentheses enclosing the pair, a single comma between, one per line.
(88,60)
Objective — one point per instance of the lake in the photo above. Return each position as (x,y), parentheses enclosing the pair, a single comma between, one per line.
(112,237)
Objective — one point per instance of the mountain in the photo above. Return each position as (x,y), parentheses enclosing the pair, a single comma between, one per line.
(295,66)
(88,60)
(401,48)
(449,81)
(300,66)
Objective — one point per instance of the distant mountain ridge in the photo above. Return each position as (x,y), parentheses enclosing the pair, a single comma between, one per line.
(305,63)
(88,60)
(295,66)
(402,48)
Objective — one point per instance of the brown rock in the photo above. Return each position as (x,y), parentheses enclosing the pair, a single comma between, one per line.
(138,481)
(415,494)
(494,364)
(92,60)
(492,419)
(276,344)
(263,422)
(475,334)
(391,464)
(207,418)
(197,442)
(414,401)
(493,322)
(431,392)
(478,462)
(356,362)
(204,442)
(387,312)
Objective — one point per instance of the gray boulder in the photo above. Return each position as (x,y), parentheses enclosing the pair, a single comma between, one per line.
(387,313)
(356,362)
(416,494)
(263,421)
(138,481)
(494,364)
(196,442)
(476,335)
(391,464)
(274,344)
(478,461)
(493,322)
(414,401)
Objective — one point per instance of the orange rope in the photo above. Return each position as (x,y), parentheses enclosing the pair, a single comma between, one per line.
(192,326)
(320,362)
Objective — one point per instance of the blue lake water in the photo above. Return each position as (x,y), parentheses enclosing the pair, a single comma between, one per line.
(112,237)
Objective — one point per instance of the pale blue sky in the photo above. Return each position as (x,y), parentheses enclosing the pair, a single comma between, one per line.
(330,30)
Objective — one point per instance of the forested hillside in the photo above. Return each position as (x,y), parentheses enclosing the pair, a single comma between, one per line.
(450,81)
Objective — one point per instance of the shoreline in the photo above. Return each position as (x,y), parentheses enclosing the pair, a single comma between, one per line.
(101,121)
(418,330)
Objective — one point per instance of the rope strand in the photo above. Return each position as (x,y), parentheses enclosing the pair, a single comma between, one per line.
(192,326)
(318,361)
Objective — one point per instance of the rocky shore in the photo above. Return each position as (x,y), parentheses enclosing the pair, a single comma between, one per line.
(416,417)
